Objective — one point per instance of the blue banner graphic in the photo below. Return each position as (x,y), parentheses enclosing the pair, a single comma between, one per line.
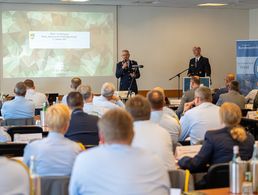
(247,65)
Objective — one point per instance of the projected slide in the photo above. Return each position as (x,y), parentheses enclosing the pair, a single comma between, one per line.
(57,44)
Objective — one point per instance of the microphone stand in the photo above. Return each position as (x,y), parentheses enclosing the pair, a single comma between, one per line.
(130,88)
(178,75)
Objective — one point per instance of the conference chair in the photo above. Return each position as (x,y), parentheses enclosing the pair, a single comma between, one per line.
(52,97)
(218,176)
(54,185)
(12,149)
(251,125)
(86,138)
(37,111)
(18,122)
(181,179)
(12,131)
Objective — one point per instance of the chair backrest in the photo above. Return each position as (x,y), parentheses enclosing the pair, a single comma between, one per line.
(24,130)
(218,176)
(86,138)
(18,122)
(178,179)
(54,185)
(245,111)
(52,97)
(37,111)
(12,149)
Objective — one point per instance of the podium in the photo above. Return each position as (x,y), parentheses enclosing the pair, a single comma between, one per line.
(205,81)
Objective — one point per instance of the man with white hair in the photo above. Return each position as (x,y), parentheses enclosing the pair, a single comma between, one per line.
(107,99)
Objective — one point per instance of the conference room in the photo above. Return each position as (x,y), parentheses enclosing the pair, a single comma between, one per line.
(128,97)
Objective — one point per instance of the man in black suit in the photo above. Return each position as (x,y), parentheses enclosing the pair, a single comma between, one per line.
(199,65)
(126,73)
(83,127)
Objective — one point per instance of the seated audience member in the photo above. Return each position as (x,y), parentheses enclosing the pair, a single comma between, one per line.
(55,154)
(232,96)
(80,122)
(4,136)
(75,83)
(19,107)
(149,135)
(36,97)
(15,177)
(189,95)
(158,115)
(230,77)
(251,96)
(255,106)
(197,120)
(115,167)
(167,110)
(89,107)
(218,145)
(108,100)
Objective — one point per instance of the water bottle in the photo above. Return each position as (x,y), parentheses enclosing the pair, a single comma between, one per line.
(237,169)
(254,168)
(43,115)
(36,188)
(247,186)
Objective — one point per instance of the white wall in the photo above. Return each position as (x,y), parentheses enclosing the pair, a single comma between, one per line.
(253,27)
(162,39)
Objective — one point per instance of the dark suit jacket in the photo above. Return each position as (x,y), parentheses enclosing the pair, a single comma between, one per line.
(202,69)
(80,124)
(215,97)
(218,148)
(125,78)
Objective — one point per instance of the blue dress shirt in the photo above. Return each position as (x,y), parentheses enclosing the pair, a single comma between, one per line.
(18,108)
(118,169)
(198,120)
(54,155)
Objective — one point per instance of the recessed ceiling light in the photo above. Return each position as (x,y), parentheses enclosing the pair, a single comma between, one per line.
(75,0)
(212,4)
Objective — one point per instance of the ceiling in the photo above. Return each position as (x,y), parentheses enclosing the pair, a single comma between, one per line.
(235,4)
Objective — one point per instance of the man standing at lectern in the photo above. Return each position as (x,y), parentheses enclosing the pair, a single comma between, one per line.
(199,65)
(127,73)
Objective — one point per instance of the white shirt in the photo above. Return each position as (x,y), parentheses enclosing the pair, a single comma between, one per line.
(116,169)
(36,97)
(14,178)
(198,120)
(167,122)
(170,112)
(251,96)
(64,99)
(153,138)
(92,109)
(104,103)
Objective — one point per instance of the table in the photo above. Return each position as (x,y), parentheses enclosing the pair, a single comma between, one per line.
(216,191)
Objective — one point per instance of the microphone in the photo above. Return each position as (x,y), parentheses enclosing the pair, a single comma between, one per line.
(137,66)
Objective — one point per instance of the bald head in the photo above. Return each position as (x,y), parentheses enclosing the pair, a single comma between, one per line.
(156,99)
